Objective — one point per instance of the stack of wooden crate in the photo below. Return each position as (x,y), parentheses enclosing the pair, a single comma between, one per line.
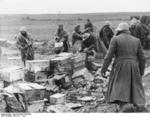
(78,61)
(34,68)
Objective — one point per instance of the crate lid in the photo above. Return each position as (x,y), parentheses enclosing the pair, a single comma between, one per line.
(13,89)
(30,86)
(36,61)
(36,86)
(60,58)
(64,54)
(57,95)
(12,68)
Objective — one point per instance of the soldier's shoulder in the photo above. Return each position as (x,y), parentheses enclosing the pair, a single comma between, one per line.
(115,37)
(133,37)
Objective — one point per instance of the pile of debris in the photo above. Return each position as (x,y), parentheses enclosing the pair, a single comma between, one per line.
(59,84)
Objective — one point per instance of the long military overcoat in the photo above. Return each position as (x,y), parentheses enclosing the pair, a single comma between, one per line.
(125,83)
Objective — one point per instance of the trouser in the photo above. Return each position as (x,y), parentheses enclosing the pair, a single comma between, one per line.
(89,65)
(27,55)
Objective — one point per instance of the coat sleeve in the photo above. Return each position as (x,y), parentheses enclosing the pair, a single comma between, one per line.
(141,58)
(65,36)
(110,54)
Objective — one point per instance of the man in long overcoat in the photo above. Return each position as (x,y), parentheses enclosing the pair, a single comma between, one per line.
(125,83)
(25,45)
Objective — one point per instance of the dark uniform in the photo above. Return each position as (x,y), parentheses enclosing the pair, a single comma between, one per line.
(89,25)
(106,34)
(140,31)
(77,39)
(64,38)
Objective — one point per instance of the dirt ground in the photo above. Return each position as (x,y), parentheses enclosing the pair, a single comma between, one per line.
(11,56)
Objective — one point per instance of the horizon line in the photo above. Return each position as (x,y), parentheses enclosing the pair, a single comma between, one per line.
(74,13)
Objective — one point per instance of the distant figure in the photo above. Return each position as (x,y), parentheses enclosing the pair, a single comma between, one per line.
(89,25)
(133,24)
(106,34)
(125,82)
(62,35)
(25,45)
(77,39)
(139,30)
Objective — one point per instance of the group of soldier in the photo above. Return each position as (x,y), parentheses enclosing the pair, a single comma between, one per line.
(124,49)
(82,41)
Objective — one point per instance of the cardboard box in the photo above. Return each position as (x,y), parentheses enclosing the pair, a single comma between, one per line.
(12,74)
(57,99)
(37,65)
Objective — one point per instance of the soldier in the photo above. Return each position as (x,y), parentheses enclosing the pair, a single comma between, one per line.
(139,30)
(89,25)
(77,39)
(106,34)
(25,45)
(125,84)
(89,47)
(63,37)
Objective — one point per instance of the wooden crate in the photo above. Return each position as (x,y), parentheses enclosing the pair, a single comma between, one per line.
(79,57)
(79,61)
(78,66)
(62,64)
(32,91)
(36,106)
(57,99)
(12,74)
(37,65)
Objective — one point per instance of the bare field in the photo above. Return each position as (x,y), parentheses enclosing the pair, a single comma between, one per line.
(43,27)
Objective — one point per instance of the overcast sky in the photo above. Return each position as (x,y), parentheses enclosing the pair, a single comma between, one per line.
(72,6)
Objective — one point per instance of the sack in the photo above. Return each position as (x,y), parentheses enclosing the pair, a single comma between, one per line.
(16,103)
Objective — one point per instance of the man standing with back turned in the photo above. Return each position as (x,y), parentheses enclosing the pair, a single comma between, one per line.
(125,83)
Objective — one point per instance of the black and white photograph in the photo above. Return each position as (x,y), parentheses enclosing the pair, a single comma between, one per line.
(74,56)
